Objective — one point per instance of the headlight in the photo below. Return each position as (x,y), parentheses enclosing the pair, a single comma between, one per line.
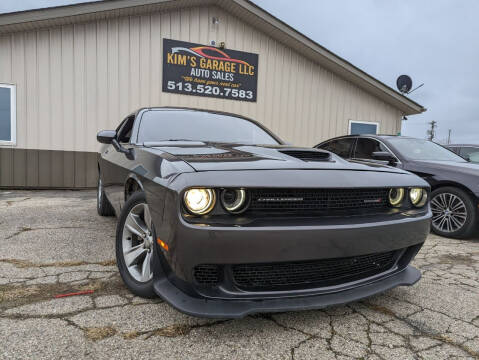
(233,200)
(199,201)
(396,196)
(418,196)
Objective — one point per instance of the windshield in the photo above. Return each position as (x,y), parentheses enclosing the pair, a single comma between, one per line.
(419,149)
(163,125)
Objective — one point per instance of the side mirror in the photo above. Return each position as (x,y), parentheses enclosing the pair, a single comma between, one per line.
(106,136)
(384,156)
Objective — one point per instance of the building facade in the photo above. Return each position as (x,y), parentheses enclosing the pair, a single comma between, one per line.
(68,72)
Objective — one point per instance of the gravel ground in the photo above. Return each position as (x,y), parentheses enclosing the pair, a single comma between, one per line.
(53,242)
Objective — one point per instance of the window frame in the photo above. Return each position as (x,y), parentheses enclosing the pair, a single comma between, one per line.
(351,151)
(366,123)
(121,127)
(353,157)
(13,115)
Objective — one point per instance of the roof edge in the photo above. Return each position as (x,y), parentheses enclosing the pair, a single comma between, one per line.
(336,63)
(45,17)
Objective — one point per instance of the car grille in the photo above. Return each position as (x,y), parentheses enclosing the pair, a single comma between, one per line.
(207,274)
(327,272)
(318,200)
(304,274)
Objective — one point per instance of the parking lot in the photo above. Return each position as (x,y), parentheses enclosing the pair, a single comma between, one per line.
(53,242)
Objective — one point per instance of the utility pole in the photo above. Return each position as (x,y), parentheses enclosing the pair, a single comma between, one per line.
(432,131)
(449,137)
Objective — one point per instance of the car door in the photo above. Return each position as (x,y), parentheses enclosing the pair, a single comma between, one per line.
(115,165)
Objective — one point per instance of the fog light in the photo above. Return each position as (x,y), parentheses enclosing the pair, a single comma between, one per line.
(418,196)
(199,201)
(396,196)
(233,200)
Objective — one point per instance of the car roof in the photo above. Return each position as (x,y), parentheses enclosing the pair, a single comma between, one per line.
(379,136)
(185,108)
(459,145)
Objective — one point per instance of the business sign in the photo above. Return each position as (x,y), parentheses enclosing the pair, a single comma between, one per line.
(194,69)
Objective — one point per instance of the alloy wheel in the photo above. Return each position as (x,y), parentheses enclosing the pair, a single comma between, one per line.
(449,213)
(137,243)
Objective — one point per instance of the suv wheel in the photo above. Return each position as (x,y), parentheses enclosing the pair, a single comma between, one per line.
(453,213)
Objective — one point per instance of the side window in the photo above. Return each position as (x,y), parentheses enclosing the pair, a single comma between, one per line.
(365,148)
(469,153)
(124,133)
(7,114)
(341,147)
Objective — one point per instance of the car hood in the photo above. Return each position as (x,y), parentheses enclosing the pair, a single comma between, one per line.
(450,166)
(203,156)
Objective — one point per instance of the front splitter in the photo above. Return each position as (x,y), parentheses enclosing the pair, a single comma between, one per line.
(214,308)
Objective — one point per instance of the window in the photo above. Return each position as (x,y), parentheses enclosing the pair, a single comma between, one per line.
(365,148)
(454,148)
(124,131)
(420,149)
(7,115)
(341,147)
(470,153)
(190,125)
(363,127)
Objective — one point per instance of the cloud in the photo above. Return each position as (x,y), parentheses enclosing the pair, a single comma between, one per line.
(436,42)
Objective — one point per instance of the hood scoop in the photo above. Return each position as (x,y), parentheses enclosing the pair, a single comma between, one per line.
(308,155)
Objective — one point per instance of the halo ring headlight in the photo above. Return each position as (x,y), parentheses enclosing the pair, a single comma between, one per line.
(396,196)
(199,201)
(233,200)
(418,196)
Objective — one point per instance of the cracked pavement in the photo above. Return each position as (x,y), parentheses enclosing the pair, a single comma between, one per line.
(53,242)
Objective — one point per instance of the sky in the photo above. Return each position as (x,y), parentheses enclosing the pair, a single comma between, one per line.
(436,42)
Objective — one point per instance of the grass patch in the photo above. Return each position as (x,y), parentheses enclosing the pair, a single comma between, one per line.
(99,333)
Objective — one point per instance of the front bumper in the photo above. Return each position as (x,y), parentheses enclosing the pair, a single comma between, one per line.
(278,240)
(217,308)
(191,245)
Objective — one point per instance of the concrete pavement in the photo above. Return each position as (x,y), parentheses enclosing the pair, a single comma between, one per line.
(53,242)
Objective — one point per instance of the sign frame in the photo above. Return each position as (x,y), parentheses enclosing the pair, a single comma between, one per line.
(201,70)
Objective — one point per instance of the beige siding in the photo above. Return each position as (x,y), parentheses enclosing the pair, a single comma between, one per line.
(77,79)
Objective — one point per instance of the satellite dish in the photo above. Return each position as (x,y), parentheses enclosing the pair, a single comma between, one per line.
(404,84)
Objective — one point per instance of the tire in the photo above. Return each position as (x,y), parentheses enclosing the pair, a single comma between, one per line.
(454,213)
(103,206)
(135,246)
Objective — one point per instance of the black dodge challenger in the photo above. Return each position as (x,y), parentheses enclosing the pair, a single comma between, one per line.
(222,219)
